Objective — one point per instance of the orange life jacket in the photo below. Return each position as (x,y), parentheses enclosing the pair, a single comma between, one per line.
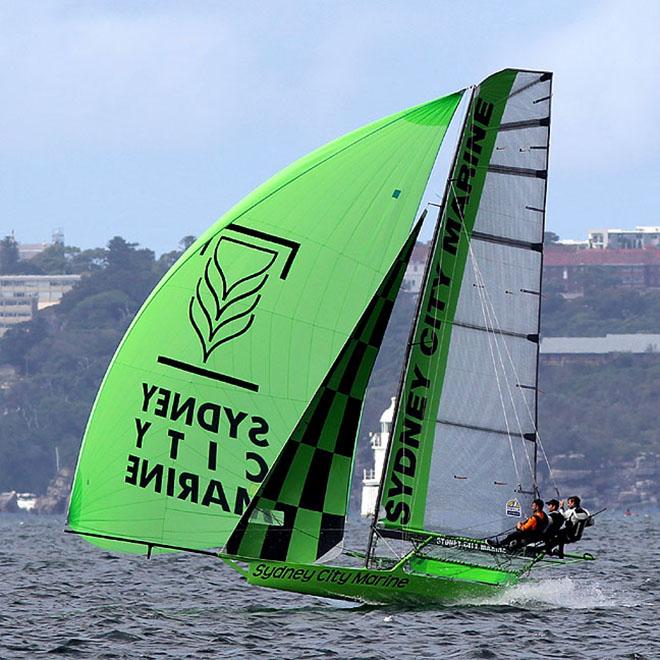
(537,522)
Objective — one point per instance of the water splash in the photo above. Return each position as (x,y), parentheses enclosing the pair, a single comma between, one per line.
(562,592)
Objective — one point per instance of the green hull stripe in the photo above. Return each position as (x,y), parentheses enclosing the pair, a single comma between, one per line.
(421,581)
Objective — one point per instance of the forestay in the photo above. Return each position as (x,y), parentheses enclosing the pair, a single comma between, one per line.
(227,352)
(462,459)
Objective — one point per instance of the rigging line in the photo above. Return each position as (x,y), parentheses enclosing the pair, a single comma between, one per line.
(537,435)
(511,364)
(528,409)
(496,327)
(481,289)
(526,405)
(379,537)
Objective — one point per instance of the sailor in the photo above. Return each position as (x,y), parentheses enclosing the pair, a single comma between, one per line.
(556,521)
(576,519)
(529,531)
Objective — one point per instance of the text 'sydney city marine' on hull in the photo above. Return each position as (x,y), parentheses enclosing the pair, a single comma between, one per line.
(229,415)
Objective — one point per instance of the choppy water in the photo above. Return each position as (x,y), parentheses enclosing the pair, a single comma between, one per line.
(60,596)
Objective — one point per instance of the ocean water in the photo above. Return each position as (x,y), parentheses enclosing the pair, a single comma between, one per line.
(61,597)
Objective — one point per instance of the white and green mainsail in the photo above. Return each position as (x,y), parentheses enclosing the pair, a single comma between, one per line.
(261,336)
(462,455)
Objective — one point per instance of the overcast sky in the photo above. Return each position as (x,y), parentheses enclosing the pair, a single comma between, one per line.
(150,119)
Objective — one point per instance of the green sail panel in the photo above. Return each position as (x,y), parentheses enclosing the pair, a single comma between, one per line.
(412,491)
(298,513)
(229,349)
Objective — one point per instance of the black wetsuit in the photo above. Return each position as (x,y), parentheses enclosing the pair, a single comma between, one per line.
(556,521)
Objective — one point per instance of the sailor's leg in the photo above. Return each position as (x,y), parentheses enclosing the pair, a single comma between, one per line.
(508,540)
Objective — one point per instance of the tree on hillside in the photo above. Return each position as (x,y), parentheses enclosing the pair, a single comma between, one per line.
(168,259)
(19,340)
(125,268)
(8,255)
(61,357)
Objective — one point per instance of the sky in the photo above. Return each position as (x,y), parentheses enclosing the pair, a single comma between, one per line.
(149,119)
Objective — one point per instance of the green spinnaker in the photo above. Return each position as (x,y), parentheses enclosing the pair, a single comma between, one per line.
(228,350)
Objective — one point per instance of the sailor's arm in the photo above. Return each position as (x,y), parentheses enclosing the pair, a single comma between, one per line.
(529,524)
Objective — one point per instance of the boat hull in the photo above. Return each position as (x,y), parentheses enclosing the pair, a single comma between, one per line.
(436,582)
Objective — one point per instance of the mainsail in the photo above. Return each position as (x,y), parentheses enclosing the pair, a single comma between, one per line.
(229,350)
(462,459)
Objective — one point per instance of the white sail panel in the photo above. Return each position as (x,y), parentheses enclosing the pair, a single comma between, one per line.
(500,285)
(482,382)
(475,479)
(512,210)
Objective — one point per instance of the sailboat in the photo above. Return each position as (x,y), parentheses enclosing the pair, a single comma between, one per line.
(228,419)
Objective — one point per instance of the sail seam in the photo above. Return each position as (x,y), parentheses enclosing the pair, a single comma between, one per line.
(526,123)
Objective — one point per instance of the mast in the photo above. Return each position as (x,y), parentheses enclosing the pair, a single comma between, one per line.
(413,330)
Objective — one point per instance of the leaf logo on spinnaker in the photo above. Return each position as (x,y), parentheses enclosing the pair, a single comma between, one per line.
(220,311)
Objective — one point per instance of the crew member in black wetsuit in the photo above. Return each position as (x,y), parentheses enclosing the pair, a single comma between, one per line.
(556,521)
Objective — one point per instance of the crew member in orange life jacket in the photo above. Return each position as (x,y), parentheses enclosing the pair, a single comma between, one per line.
(526,532)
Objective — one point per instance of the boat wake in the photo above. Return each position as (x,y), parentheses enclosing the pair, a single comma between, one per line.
(563,592)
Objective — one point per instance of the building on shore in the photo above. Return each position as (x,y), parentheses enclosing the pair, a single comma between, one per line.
(27,251)
(414,275)
(642,237)
(565,267)
(559,350)
(371,477)
(22,295)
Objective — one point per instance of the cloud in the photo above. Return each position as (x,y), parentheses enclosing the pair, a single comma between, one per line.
(116,78)
(606,95)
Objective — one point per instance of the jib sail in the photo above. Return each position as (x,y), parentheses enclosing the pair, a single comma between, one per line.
(299,511)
